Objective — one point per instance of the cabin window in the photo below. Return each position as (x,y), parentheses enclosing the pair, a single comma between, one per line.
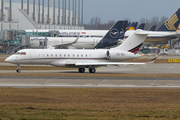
(47,55)
(73,55)
(81,55)
(68,55)
(64,55)
(39,55)
(23,53)
(86,55)
(77,55)
(60,55)
(56,55)
(51,55)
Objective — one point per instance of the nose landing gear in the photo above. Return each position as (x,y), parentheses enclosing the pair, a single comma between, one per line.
(18,69)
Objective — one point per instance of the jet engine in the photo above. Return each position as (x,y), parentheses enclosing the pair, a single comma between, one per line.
(115,54)
(120,54)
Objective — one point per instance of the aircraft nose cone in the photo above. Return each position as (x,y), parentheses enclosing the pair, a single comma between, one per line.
(9,59)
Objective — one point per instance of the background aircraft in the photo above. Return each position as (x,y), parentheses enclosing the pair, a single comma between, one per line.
(167,31)
(117,31)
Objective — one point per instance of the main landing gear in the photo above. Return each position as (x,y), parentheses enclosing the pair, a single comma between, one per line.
(91,70)
(18,69)
(81,70)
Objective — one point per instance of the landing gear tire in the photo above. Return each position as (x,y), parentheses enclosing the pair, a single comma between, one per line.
(81,70)
(18,70)
(92,70)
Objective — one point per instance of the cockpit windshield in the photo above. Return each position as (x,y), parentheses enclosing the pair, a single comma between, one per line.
(17,53)
(20,53)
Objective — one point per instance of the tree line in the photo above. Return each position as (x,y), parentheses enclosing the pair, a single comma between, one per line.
(95,23)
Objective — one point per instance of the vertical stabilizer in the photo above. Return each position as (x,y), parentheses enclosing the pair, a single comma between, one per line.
(172,24)
(133,26)
(133,42)
(152,28)
(113,35)
(141,26)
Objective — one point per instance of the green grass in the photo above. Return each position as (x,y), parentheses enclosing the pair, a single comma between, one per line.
(89,103)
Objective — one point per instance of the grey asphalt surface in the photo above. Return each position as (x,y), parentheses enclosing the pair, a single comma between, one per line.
(87,82)
(92,82)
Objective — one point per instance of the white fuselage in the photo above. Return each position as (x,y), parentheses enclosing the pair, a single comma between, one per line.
(67,58)
(88,43)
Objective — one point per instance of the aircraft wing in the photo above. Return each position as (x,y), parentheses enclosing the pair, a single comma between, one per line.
(115,63)
(97,64)
(67,44)
(164,34)
(94,64)
(107,63)
(176,35)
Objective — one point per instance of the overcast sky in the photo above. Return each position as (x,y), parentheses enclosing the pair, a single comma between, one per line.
(133,9)
(120,9)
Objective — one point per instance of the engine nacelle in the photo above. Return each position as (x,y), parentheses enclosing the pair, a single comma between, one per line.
(120,55)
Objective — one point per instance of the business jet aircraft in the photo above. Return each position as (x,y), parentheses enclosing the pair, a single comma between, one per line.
(84,58)
(81,42)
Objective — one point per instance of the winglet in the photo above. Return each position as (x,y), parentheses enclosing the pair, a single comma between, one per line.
(152,60)
(76,40)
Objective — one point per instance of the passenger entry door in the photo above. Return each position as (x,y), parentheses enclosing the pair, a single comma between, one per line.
(32,56)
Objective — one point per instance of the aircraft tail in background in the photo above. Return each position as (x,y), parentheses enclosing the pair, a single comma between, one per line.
(172,24)
(152,28)
(141,26)
(111,38)
(133,26)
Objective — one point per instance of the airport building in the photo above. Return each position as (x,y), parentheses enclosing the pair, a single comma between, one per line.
(52,15)
(41,14)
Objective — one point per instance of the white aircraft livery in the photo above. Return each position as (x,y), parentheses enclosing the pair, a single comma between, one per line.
(83,58)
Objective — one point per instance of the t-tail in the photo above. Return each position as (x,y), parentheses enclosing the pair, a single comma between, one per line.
(113,35)
(172,24)
(133,42)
